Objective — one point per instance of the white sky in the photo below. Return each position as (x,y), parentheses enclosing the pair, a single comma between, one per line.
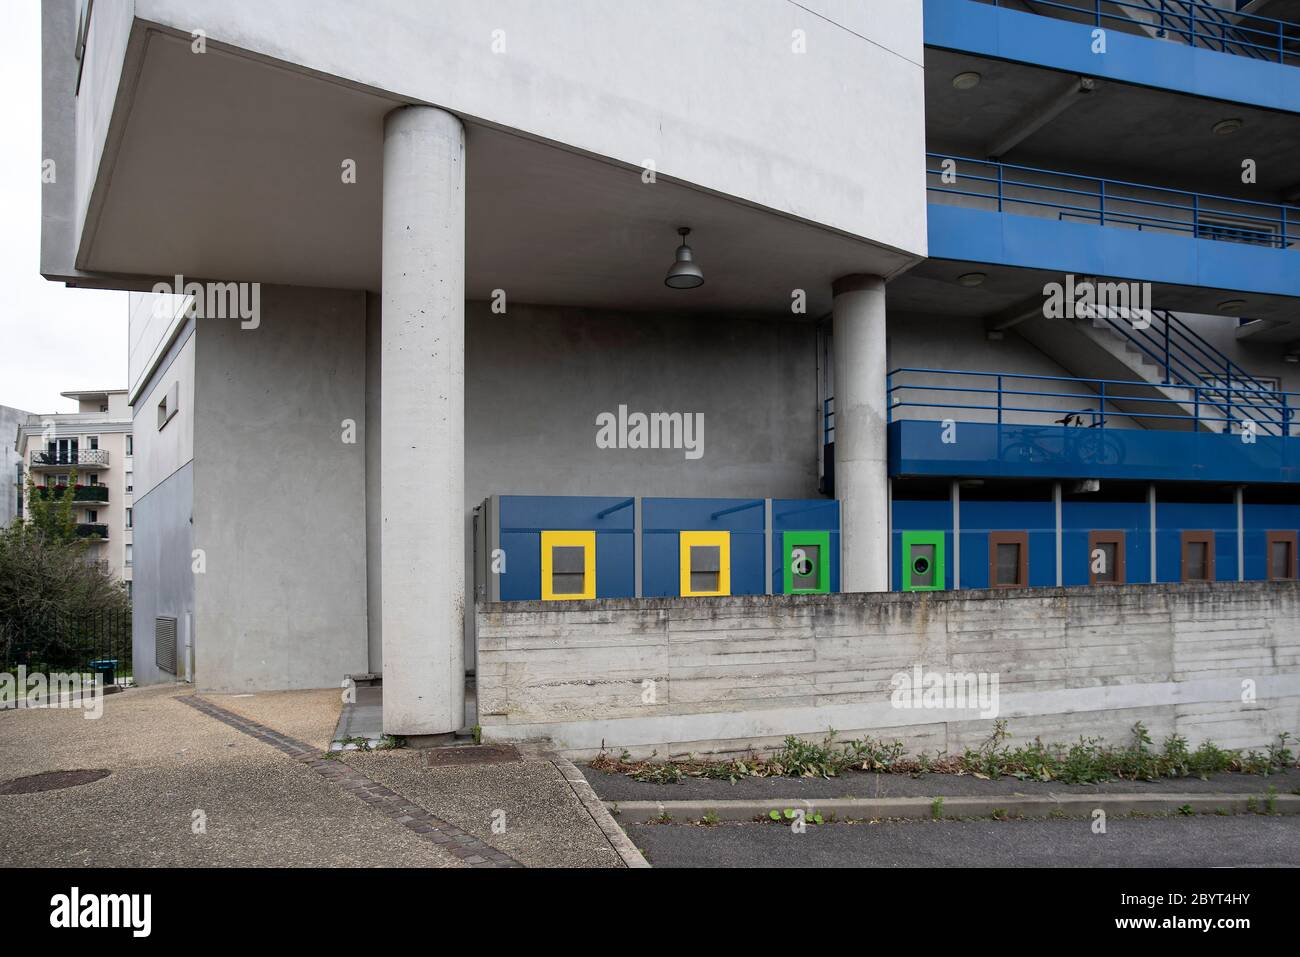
(52,339)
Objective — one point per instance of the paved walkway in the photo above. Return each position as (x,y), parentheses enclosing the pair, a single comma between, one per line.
(242,780)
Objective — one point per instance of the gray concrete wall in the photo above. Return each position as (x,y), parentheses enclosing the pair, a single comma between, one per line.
(737,673)
(163,576)
(279,497)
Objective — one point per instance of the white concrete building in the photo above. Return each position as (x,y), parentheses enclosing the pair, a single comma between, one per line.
(430,244)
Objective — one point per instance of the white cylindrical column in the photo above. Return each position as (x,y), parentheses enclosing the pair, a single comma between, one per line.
(861,440)
(422,404)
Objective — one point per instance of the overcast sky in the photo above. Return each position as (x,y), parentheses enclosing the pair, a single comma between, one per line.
(52,339)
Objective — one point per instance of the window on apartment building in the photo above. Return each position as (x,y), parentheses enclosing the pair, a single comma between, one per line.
(92,516)
(130,444)
(1008,559)
(129,480)
(92,441)
(1105,558)
(1281,556)
(128,554)
(1198,556)
(129,519)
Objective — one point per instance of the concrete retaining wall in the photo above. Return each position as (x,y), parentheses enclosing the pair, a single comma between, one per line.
(727,675)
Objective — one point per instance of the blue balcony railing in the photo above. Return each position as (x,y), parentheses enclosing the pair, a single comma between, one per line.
(1067,197)
(1199,25)
(1014,398)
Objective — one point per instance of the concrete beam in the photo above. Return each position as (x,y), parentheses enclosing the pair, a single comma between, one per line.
(422,405)
(1047,111)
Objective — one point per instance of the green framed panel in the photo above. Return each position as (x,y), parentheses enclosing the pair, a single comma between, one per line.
(923,561)
(809,572)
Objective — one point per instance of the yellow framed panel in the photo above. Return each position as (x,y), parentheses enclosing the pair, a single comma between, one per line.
(691,540)
(584,540)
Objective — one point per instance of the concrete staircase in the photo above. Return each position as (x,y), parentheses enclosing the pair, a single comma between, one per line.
(1168,356)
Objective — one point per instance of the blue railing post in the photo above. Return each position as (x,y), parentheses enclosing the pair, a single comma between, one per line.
(1169,376)
(1228,383)
(1196,408)
(1102,405)
(1096,7)
(999,187)
(999,400)
(1196,216)
(1102,210)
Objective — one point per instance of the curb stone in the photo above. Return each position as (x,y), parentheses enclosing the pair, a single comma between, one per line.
(863,809)
(586,796)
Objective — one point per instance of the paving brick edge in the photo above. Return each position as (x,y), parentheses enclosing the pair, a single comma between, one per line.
(465,847)
(861,809)
(586,795)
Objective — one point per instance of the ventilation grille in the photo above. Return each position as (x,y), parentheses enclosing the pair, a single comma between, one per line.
(164,643)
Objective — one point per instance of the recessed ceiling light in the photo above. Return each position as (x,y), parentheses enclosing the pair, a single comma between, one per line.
(972,279)
(1225,127)
(1292,357)
(1232,306)
(966,81)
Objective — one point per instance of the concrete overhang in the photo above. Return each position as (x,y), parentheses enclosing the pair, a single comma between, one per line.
(228,166)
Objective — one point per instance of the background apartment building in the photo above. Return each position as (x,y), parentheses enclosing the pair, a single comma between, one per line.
(11,506)
(94,444)
(457,278)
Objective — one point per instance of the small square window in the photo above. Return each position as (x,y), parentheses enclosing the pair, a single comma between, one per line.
(1008,559)
(1281,556)
(568,565)
(1198,556)
(1106,558)
(705,561)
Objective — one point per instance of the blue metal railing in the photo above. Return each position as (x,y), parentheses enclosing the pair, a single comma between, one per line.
(1187,359)
(1196,24)
(1108,202)
(1100,400)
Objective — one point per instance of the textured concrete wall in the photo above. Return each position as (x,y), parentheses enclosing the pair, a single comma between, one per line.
(163,575)
(279,496)
(731,674)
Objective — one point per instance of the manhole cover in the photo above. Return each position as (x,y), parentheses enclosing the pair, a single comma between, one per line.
(51,781)
(471,754)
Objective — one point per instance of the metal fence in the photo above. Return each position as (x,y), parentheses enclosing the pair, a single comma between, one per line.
(65,643)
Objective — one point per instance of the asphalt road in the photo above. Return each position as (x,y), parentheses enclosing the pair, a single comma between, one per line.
(1202,841)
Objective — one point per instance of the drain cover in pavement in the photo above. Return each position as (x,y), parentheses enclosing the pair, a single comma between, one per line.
(471,754)
(50,781)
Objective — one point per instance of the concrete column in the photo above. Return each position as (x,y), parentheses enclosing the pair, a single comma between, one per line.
(422,403)
(861,443)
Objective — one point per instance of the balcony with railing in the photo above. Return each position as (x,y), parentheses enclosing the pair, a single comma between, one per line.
(82,494)
(948,422)
(93,531)
(68,459)
(1194,47)
(992,212)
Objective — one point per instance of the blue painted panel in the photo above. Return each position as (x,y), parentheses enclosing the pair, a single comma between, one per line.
(664,518)
(986,449)
(525,517)
(987,236)
(1173,518)
(980,518)
(931,516)
(804,515)
(1078,519)
(1258,521)
(1029,38)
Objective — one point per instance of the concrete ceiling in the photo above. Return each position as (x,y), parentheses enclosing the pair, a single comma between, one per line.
(229,167)
(1143,135)
(931,288)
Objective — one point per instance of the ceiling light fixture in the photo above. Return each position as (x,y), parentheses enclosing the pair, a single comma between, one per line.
(684,273)
(966,81)
(1228,126)
(971,279)
(1232,306)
